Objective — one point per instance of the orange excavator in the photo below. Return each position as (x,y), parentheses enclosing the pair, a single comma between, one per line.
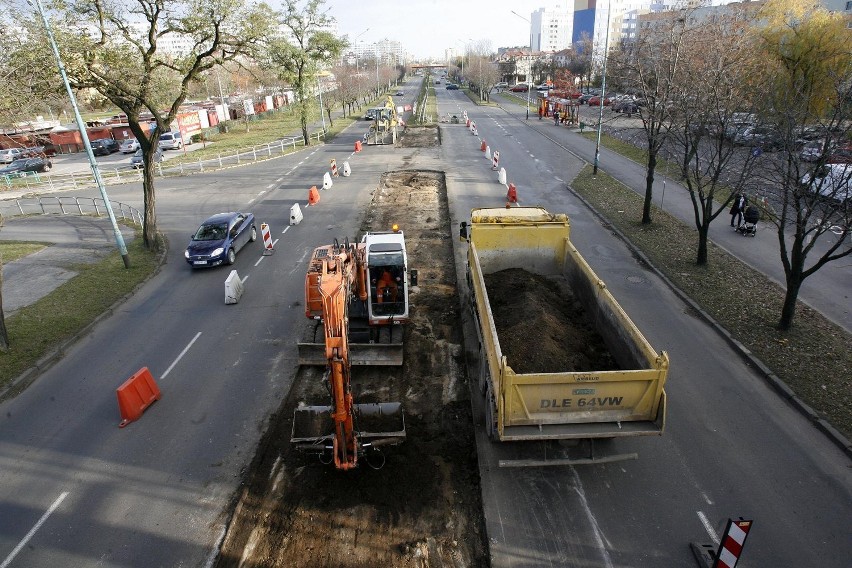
(344,431)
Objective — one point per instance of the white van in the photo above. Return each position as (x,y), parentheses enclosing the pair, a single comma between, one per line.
(171,141)
(832,181)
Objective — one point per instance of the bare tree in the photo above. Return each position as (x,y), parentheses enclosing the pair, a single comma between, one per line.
(718,57)
(304,49)
(808,70)
(113,48)
(650,67)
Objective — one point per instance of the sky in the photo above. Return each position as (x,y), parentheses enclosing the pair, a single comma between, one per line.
(426,28)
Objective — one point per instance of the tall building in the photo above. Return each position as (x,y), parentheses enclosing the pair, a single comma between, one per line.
(551,28)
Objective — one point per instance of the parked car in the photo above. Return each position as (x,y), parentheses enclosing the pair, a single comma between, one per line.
(220,238)
(22,166)
(841,155)
(501,85)
(626,106)
(831,181)
(452,87)
(9,155)
(596,100)
(136,160)
(519,88)
(104,146)
(763,137)
(129,146)
(170,141)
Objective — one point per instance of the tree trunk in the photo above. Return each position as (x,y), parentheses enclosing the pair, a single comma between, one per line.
(701,258)
(794,283)
(149,227)
(649,186)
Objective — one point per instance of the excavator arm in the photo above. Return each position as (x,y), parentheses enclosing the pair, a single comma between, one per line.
(335,428)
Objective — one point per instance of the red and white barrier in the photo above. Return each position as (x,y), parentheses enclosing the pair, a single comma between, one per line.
(267,238)
(334,167)
(495,160)
(732,543)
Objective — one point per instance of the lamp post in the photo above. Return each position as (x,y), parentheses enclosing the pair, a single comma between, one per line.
(603,94)
(356,48)
(529,68)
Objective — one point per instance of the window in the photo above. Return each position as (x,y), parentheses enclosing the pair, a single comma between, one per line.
(849,6)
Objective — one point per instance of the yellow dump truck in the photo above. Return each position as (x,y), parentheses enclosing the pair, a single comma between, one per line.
(626,400)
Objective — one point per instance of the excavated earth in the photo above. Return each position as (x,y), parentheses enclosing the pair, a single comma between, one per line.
(423,508)
(542,327)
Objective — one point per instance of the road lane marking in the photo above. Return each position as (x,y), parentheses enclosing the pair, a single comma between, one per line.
(32,532)
(707,527)
(179,357)
(593,522)
(287,228)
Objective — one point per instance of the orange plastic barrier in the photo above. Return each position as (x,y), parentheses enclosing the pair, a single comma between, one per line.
(135,395)
(483,146)
(313,196)
(357,145)
(511,195)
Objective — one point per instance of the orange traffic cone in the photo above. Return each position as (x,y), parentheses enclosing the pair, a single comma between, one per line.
(357,145)
(483,145)
(511,195)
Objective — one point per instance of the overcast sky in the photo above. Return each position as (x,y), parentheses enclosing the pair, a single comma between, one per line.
(426,28)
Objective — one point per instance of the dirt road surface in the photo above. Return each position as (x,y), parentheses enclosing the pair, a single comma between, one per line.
(423,508)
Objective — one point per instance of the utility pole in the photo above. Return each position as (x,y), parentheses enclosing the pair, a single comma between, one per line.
(603,94)
(96,172)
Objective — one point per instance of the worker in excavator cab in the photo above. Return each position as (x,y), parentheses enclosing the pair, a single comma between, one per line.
(386,288)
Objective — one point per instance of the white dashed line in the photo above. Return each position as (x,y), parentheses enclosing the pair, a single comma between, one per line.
(708,527)
(33,530)
(179,357)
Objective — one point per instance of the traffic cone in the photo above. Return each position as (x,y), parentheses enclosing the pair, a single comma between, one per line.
(483,145)
(357,145)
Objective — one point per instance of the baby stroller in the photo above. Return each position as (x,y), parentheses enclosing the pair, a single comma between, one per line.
(751,216)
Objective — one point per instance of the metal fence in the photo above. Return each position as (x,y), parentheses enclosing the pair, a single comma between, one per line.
(53,205)
(84,179)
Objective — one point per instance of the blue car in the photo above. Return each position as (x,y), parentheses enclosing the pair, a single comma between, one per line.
(220,238)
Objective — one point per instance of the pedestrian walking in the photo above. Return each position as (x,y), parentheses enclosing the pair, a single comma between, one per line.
(556,117)
(737,208)
(540,111)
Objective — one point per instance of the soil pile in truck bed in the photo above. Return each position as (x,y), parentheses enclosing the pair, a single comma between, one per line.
(542,327)
(423,508)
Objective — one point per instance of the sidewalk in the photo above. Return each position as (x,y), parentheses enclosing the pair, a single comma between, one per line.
(828,290)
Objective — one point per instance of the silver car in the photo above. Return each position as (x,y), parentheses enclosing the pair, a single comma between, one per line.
(136,161)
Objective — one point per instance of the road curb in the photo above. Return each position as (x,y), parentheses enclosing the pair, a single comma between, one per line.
(768,375)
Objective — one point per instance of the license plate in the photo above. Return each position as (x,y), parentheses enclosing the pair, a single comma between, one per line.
(199,262)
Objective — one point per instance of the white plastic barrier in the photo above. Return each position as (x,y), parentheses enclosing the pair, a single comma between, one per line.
(295,214)
(501,176)
(326,181)
(233,288)
(347,171)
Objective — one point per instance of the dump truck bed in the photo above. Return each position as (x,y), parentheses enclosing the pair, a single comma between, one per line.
(629,401)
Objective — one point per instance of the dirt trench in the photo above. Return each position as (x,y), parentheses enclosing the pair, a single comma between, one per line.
(423,508)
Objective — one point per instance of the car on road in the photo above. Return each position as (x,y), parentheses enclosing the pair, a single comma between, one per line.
(136,160)
(501,85)
(9,155)
(23,166)
(452,87)
(104,146)
(220,238)
(170,141)
(399,94)
(763,137)
(129,146)
(519,88)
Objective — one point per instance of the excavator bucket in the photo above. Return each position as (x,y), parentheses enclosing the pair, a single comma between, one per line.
(379,354)
(377,424)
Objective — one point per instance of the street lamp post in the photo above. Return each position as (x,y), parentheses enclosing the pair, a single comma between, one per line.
(356,48)
(529,68)
(603,94)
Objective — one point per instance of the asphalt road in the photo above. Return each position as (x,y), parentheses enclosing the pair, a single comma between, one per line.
(77,491)
(731,447)
(158,490)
